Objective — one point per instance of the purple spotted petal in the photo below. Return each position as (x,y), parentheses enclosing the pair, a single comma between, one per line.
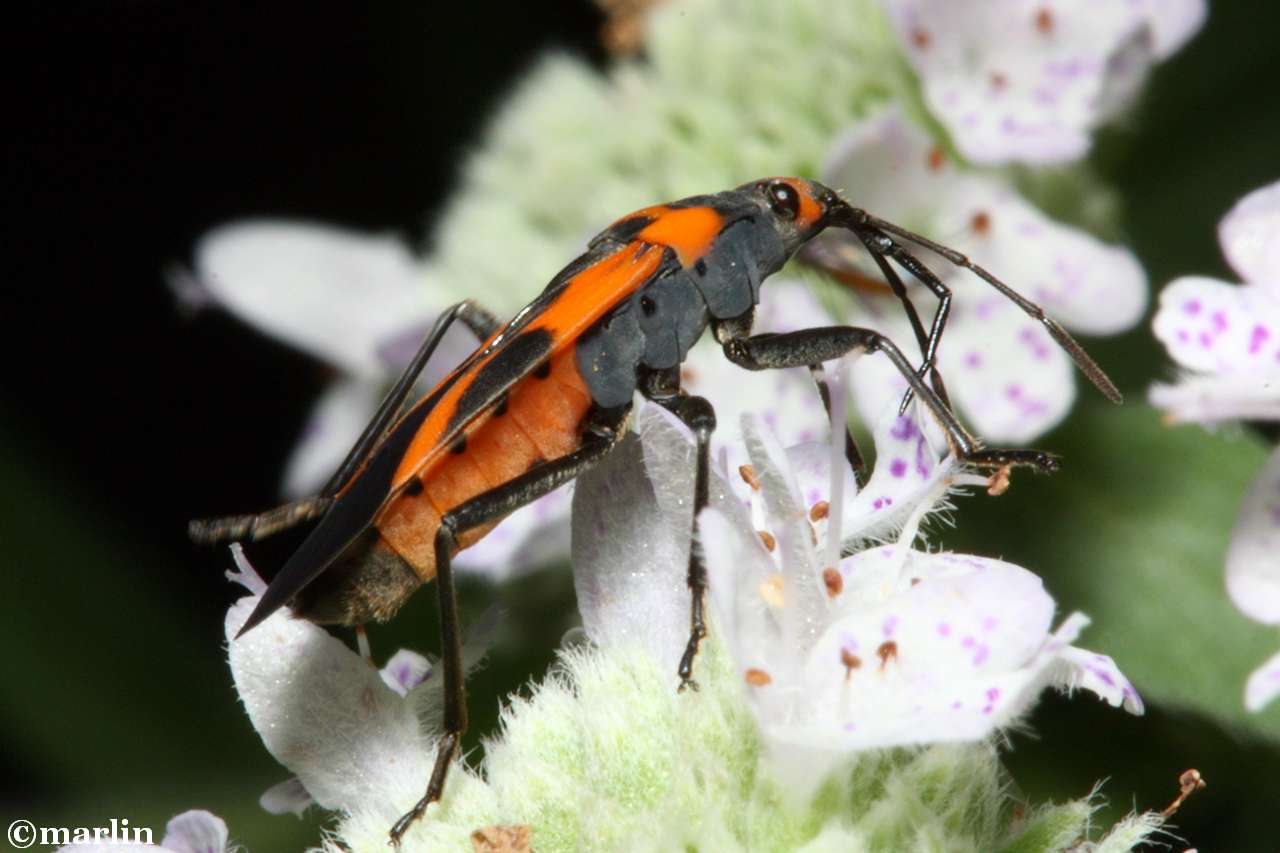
(1019,80)
(1253,557)
(1099,675)
(1263,685)
(908,466)
(1209,325)
(1250,238)
(900,173)
(939,647)
(1001,369)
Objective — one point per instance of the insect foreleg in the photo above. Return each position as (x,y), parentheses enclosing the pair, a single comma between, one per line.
(810,346)
(598,439)
(883,247)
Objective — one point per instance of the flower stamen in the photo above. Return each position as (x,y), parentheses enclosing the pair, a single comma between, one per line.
(833,580)
(850,661)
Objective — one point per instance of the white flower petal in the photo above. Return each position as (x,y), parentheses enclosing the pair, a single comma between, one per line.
(1263,685)
(894,169)
(1099,675)
(333,293)
(1173,22)
(1014,79)
(1210,325)
(1253,556)
(405,671)
(1250,237)
(957,647)
(1081,282)
(629,557)
(1214,398)
(337,419)
(324,713)
(195,831)
(287,797)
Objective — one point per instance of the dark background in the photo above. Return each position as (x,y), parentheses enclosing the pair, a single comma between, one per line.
(133,127)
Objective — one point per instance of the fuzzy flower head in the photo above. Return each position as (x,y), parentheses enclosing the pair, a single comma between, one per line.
(1028,80)
(1002,369)
(1226,339)
(886,647)
(607,754)
(889,645)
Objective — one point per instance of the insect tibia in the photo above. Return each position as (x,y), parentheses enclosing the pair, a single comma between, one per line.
(232,528)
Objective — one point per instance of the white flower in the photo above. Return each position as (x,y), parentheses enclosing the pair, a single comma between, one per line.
(1226,337)
(1001,367)
(886,647)
(1027,80)
(194,831)
(350,733)
(363,304)
(606,753)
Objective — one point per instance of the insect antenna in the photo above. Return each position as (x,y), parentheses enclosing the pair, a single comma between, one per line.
(1087,365)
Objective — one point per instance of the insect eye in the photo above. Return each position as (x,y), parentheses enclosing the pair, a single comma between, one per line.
(783,199)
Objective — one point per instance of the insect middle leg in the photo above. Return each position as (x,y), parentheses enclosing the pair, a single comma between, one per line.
(263,524)
(603,430)
(740,327)
(810,346)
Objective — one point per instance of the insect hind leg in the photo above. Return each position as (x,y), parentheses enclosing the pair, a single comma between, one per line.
(260,525)
(601,434)
(263,524)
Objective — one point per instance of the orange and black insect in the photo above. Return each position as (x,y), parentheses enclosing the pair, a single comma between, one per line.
(548,394)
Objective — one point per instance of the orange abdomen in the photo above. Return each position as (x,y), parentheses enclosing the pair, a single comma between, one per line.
(541,422)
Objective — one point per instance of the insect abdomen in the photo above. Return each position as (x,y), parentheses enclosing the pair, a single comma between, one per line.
(539,421)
